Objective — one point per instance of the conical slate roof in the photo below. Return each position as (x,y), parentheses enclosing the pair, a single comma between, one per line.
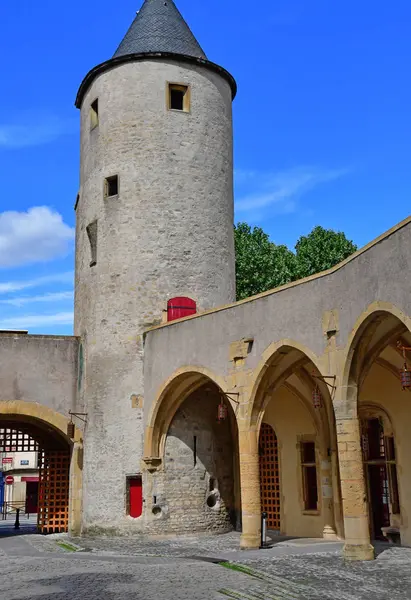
(159,27)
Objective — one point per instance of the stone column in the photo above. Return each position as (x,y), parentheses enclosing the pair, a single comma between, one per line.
(76,487)
(355,509)
(327,499)
(250,488)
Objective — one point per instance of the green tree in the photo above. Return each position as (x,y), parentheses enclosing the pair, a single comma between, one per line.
(260,264)
(320,250)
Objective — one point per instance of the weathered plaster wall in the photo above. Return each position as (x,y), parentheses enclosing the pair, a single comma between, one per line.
(383,389)
(291,420)
(296,312)
(37,368)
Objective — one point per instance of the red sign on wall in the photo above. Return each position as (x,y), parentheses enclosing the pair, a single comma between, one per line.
(7,460)
(9,480)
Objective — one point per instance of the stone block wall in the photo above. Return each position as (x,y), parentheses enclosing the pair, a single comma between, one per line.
(195,490)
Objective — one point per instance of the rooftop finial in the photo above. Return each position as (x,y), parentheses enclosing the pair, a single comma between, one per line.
(159,27)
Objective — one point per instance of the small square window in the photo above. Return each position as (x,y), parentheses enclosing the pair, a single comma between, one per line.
(111,186)
(94,114)
(178,97)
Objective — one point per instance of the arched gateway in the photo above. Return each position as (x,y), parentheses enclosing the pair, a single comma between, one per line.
(52,454)
(53,488)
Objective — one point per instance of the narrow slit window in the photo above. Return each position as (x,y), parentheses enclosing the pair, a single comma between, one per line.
(309,471)
(92,238)
(178,97)
(111,186)
(94,114)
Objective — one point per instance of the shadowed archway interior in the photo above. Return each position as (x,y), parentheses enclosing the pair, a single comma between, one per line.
(27,434)
(198,488)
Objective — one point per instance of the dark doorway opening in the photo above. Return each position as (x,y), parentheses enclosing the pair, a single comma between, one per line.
(379,496)
(381,475)
(32,495)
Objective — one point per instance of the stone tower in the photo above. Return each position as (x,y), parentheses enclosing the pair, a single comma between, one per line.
(154,220)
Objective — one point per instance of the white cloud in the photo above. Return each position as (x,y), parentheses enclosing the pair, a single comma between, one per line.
(17,286)
(37,235)
(50,297)
(33,130)
(26,321)
(279,191)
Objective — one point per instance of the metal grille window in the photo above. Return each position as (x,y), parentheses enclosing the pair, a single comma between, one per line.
(12,440)
(309,471)
(54,483)
(269,476)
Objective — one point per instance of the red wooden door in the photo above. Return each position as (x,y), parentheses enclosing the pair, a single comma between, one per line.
(177,308)
(136,497)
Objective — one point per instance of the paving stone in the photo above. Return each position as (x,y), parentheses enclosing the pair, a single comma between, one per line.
(121,568)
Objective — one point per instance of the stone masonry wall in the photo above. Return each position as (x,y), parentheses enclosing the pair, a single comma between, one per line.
(195,491)
(39,368)
(168,232)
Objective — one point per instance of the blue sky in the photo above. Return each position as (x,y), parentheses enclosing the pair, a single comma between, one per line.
(322,126)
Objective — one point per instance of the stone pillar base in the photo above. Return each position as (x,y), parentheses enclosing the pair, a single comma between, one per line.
(250,542)
(358,552)
(329,533)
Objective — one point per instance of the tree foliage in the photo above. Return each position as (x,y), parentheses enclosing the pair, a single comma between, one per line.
(262,265)
(320,250)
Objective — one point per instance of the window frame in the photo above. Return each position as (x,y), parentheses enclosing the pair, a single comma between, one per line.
(186,99)
(107,184)
(387,457)
(304,466)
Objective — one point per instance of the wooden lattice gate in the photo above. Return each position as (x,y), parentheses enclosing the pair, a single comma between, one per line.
(53,507)
(269,476)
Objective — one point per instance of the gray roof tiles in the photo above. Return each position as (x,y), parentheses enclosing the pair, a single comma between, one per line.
(159,27)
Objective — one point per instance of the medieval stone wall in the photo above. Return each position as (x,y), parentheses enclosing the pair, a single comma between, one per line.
(195,490)
(39,368)
(168,232)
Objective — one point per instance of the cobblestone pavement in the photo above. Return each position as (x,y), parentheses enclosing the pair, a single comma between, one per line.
(225,546)
(44,568)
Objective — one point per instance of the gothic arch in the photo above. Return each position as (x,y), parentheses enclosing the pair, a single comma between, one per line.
(175,390)
(271,359)
(357,355)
